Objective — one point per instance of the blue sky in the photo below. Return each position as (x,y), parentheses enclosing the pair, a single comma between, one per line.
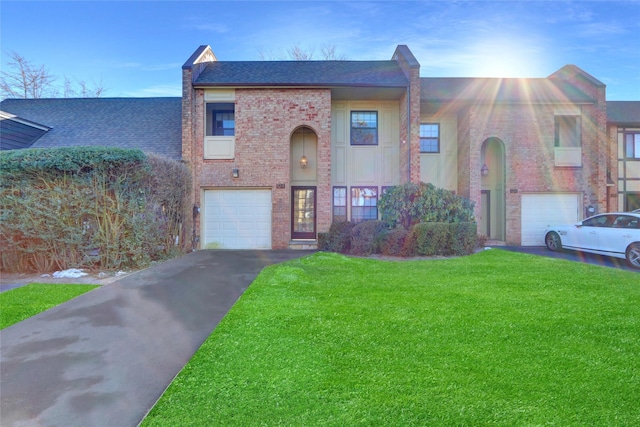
(137,48)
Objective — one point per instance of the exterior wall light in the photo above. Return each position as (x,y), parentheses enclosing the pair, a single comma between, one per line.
(484,170)
(235,173)
(304,162)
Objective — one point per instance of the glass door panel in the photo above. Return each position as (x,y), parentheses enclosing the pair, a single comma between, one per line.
(303,213)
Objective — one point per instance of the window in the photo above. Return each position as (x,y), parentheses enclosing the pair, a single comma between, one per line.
(220,124)
(632,145)
(598,221)
(364,128)
(631,201)
(339,204)
(364,204)
(567,131)
(568,144)
(429,138)
(626,221)
(220,119)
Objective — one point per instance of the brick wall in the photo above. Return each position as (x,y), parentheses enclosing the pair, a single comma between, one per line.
(527,133)
(265,119)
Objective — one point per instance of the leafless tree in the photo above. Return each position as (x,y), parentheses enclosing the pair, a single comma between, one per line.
(25,80)
(298,53)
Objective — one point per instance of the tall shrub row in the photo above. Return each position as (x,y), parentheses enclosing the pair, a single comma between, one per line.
(426,239)
(90,207)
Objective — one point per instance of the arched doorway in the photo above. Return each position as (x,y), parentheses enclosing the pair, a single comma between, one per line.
(492,200)
(304,181)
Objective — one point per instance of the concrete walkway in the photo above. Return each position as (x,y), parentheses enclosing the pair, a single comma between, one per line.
(104,358)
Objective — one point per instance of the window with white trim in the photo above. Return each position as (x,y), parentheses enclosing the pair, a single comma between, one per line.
(220,130)
(567,141)
(220,119)
(632,145)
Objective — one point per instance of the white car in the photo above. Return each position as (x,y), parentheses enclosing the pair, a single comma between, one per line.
(611,234)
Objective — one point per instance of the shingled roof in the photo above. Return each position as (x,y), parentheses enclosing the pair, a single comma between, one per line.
(153,125)
(623,112)
(510,90)
(17,133)
(303,73)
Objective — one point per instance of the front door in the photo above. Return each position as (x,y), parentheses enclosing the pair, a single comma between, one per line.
(485,201)
(303,213)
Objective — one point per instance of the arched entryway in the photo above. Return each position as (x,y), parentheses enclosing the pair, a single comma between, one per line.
(304,182)
(492,221)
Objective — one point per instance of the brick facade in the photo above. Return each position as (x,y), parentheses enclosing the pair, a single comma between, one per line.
(265,120)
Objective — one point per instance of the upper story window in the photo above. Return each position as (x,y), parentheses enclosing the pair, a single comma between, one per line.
(568,141)
(567,131)
(364,128)
(220,119)
(632,145)
(429,138)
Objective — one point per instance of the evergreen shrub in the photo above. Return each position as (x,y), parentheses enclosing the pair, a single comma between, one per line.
(366,237)
(90,207)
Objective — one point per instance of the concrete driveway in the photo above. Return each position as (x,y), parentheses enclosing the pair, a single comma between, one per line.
(104,358)
(601,260)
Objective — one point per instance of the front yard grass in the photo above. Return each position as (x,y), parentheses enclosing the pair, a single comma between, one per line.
(21,303)
(496,338)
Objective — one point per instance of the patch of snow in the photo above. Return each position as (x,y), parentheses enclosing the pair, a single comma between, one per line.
(121,273)
(70,273)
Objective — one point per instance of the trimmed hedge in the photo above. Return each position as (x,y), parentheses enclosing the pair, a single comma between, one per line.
(366,237)
(424,239)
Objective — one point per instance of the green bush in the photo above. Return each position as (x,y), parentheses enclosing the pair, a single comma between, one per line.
(323,242)
(366,237)
(410,203)
(432,238)
(439,238)
(464,238)
(338,239)
(395,243)
(87,207)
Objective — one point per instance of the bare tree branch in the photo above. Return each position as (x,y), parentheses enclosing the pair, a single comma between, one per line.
(298,53)
(25,80)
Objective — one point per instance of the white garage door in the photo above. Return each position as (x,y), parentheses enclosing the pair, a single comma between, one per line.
(539,211)
(237,219)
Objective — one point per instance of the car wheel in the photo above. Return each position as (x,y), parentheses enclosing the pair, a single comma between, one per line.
(633,255)
(552,239)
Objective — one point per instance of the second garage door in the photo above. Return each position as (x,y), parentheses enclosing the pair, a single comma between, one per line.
(539,211)
(237,219)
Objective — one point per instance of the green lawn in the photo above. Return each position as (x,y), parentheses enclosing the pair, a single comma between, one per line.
(496,338)
(29,300)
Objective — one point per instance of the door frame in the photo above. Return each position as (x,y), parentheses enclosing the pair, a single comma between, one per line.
(304,235)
